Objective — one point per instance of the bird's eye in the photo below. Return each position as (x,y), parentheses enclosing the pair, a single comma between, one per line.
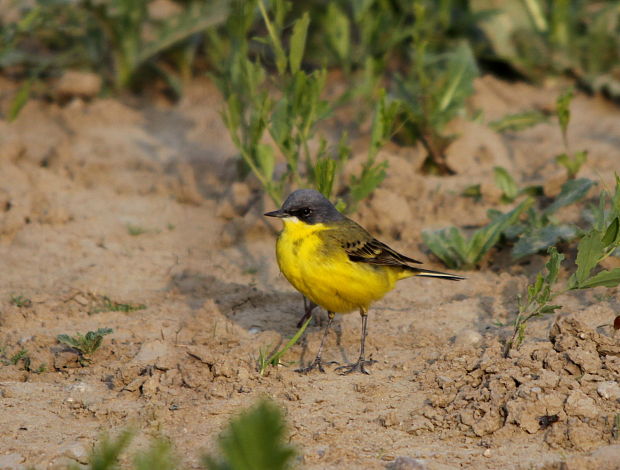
(306,212)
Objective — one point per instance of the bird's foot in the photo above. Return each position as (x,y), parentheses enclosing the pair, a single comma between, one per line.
(316,364)
(358,366)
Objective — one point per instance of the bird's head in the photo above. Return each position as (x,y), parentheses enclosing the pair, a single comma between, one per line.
(307,206)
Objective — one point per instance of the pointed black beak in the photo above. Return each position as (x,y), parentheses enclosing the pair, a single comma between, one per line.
(279,213)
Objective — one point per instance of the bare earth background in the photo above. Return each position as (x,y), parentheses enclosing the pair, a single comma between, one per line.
(73,178)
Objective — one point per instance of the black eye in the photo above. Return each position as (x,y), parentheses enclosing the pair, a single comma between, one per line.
(306,212)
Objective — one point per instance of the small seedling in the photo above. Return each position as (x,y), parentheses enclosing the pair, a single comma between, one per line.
(506,183)
(255,440)
(85,344)
(473,192)
(540,230)
(571,161)
(457,251)
(108,305)
(593,248)
(432,94)
(537,302)
(135,230)
(518,121)
(265,361)
(20,301)
(615,430)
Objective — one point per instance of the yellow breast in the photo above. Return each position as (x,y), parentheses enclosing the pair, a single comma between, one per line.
(324,273)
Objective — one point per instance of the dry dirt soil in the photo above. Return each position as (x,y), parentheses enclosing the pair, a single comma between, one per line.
(140,204)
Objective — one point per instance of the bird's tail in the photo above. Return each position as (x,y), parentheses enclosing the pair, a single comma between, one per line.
(411,271)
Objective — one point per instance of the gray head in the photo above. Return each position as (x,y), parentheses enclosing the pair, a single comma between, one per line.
(309,206)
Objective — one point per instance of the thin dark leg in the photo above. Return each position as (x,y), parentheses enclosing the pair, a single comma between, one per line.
(309,306)
(361,361)
(317,364)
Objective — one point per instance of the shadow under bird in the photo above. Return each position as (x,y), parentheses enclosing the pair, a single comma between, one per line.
(336,264)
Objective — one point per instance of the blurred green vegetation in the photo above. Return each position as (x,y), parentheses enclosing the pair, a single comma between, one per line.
(407,67)
(425,53)
(254,440)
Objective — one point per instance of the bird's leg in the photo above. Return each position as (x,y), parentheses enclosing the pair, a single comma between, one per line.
(317,364)
(361,361)
(309,306)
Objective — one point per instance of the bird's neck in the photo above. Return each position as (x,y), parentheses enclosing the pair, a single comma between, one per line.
(296,229)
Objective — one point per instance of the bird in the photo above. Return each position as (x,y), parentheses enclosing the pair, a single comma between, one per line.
(337,264)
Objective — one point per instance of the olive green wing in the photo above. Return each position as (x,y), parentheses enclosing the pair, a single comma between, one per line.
(362,247)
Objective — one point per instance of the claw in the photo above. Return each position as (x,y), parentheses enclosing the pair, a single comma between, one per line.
(358,366)
(316,364)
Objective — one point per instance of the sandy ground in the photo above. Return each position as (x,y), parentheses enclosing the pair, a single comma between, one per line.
(76,179)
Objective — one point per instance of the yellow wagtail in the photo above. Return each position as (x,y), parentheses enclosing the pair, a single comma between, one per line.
(336,263)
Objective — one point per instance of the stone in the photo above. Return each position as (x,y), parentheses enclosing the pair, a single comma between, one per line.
(609,390)
(580,405)
(79,83)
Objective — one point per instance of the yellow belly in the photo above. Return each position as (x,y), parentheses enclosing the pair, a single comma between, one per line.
(327,276)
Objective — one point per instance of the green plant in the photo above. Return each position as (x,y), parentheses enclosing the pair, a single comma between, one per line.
(432,94)
(455,250)
(117,38)
(506,183)
(159,456)
(291,117)
(518,121)
(253,441)
(135,230)
(538,38)
(20,301)
(539,230)
(85,344)
(273,359)
(598,243)
(106,304)
(569,160)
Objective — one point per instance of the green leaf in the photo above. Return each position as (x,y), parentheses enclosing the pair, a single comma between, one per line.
(563,110)
(159,456)
(589,253)
(534,289)
(542,238)
(266,160)
(179,27)
(19,101)
(550,308)
(66,339)
(473,192)
(573,164)
(506,183)
(108,451)
(276,44)
(447,244)
(518,121)
(254,441)
(325,171)
(280,124)
(602,279)
(373,174)
(337,29)
(611,234)
(485,238)
(572,191)
(553,265)
(298,42)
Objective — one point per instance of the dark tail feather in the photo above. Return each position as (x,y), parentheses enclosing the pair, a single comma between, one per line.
(437,274)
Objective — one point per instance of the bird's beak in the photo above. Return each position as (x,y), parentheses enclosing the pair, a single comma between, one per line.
(279,213)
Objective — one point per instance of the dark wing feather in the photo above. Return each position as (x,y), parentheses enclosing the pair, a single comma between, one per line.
(362,247)
(375,252)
